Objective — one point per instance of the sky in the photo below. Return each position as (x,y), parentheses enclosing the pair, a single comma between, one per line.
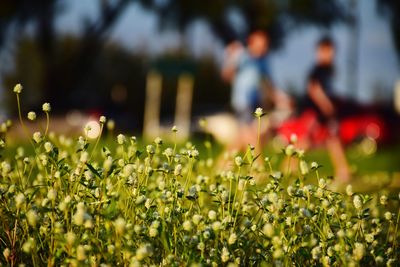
(137,30)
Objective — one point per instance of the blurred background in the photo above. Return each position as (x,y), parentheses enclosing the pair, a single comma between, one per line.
(94,56)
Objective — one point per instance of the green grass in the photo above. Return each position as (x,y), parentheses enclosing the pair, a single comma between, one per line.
(67,202)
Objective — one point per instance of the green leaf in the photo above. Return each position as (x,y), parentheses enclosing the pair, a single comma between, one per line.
(93,170)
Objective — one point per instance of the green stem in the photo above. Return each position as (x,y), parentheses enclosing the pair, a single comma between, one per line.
(47,124)
(188,175)
(22,122)
(240,202)
(236,191)
(258,133)
(98,139)
(229,197)
(395,231)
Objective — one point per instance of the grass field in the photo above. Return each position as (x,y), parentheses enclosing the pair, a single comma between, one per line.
(119,201)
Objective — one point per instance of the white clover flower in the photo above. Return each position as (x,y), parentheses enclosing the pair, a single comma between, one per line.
(37,137)
(325,203)
(174,129)
(107,164)
(84,157)
(201,246)
(322,183)
(357,202)
(232,239)
(369,238)
(32,217)
(80,253)
(388,215)
(326,261)
(194,153)
(70,237)
(19,200)
(225,254)
(169,152)
(383,200)
(331,211)
(29,245)
(142,252)
(290,150)
(92,129)
(178,170)
(259,112)
(349,190)
(121,162)
(111,249)
(148,203)
(268,230)
(278,253)
(239,161)
(81,141)
(102,119)
(127,170)
(52,194)
(121,139)
(187,226)
(79,216)
(153,232)
(67,199)
(314,165)
(196,219)
(150,149)
(158,141)
(18,88)
(303,167)
(5,167)
(141,199)
(316,252)
(48,147)
(212,215)
(46,107)
(216,226)
(358,251)
(31,116)
(120,226)
(288,221)
(88,175)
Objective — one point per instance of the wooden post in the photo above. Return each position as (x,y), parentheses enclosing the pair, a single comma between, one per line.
(184,105)
(151,125)
(397,97)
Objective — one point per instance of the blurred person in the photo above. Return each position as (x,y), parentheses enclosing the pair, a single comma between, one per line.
(247,68)
(320,98)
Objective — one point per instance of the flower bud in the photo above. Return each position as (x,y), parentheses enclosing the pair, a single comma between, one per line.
(31,115)
(259,112)
(37,137)
(48,147)
(232,239)
(239,161)
(18,88)
(102,119)
(121,139)
(46,107)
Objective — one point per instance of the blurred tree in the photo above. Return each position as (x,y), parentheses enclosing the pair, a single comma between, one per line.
(16,15)
(276,16)
(391,9)
(81,70)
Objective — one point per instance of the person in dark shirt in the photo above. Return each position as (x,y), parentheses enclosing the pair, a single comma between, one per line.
(320,94)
